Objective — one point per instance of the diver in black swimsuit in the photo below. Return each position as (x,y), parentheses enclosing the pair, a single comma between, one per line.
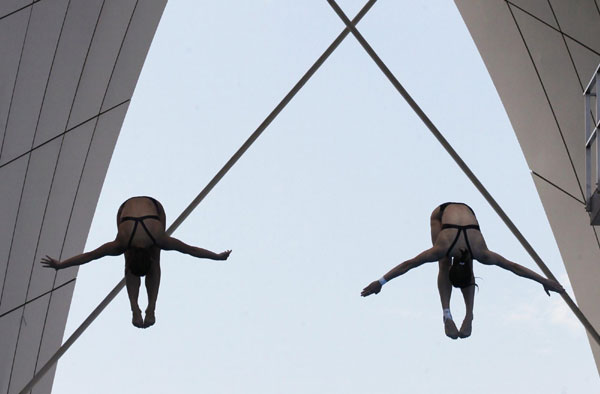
(141,250)
(457,241)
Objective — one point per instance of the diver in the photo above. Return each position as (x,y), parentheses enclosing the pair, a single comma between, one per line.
(141,235)
(457,241)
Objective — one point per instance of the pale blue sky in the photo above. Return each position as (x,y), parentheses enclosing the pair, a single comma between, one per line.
(337,191)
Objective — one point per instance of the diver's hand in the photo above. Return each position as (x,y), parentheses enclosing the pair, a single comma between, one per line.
(373,288)
(49,262)
(552,285)
(223,255)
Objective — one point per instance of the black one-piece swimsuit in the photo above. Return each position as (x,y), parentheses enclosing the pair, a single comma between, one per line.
(137,266)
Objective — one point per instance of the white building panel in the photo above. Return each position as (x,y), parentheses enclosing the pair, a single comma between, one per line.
(73,46)
(132,55)
(56,316)
(96,165)
(539,70)
(551,58)
(32,326)
(10,6)
(12,35)
(112,26)
(540,8)
(38,52)
(584,60)
(60,204)
(59,59)
(9,327)
(579,19)
(12,177)
(577,249)
(29,222)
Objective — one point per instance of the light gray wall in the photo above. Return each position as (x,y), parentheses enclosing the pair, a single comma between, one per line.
(541,54)
(68,69)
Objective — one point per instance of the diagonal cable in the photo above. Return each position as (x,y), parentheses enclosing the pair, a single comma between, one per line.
(236,156)
(463,166)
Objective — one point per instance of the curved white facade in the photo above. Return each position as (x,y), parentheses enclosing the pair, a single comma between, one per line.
(541,55)
(68,69)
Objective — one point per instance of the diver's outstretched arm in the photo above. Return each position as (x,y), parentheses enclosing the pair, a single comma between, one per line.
(170,243)
(112,248)
(489,257)
(430,255)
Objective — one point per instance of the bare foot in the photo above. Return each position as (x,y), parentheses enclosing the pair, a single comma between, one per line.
(466,328)
(450,328)
(137,320)
(150,319)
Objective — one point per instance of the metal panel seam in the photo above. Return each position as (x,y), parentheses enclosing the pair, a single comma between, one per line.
(508,2)
(49,193)
(85,160)
(547,98)
(16,78)
(558,187)
(36,298)
(566,46)
(2,145)
(19,9)
(65,132)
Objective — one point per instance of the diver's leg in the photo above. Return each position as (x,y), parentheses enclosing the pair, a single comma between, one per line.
(443,280)
(469,296)
(445,290)
(152,285)
(133,290)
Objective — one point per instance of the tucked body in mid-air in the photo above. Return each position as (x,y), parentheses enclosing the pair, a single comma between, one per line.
(140,237)
(457,241)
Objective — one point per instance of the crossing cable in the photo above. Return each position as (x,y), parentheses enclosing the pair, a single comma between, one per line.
(113,293)
(463,166)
